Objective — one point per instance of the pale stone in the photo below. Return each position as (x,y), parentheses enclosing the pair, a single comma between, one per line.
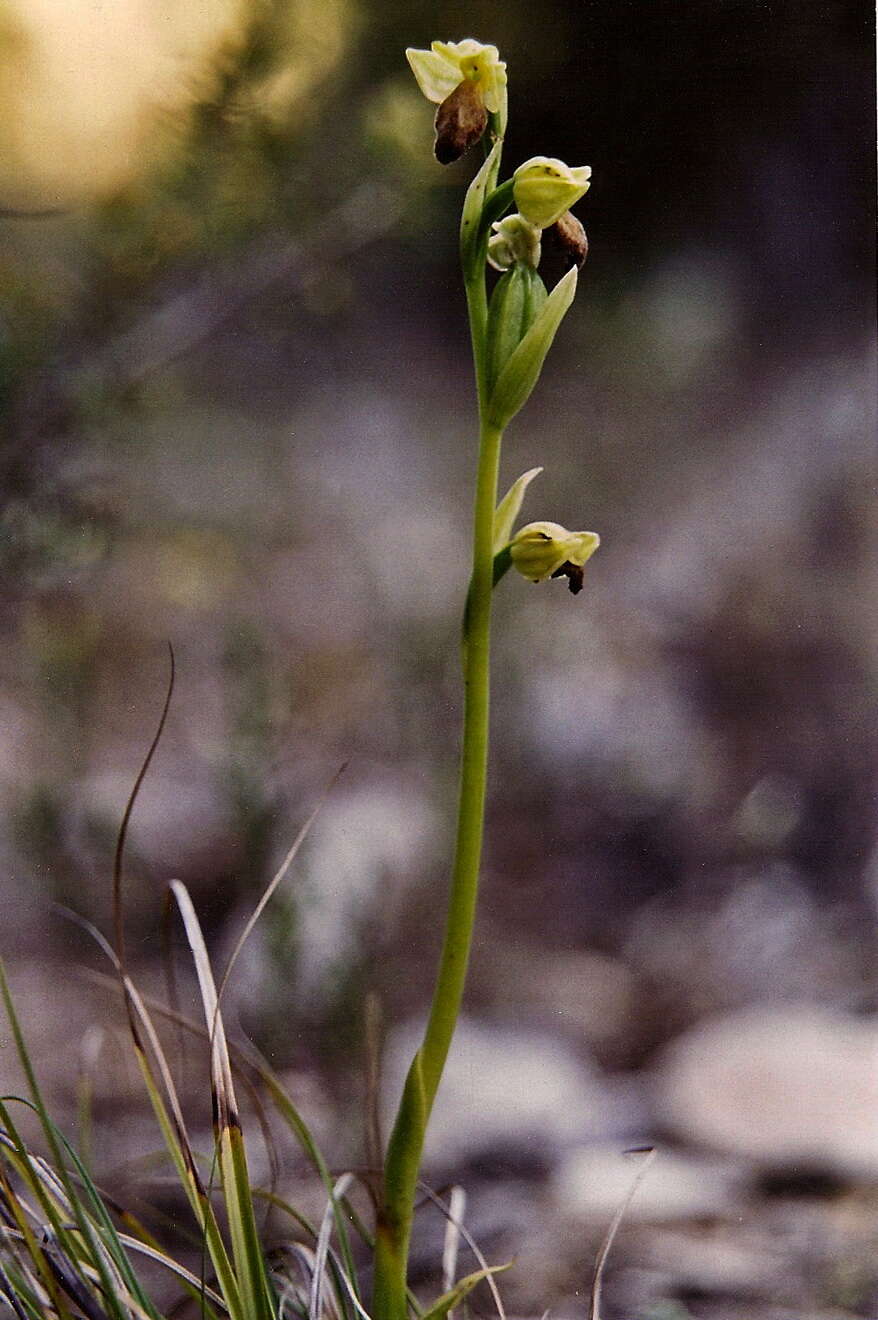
(593,1181)
(795,1084)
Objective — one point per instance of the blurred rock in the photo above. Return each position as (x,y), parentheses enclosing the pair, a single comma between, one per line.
(177,824)
(762,937)
(513,1094)
(715,1264)
(593,1181)
(57,1015)
(795,1084)
(590,995)
(362,849)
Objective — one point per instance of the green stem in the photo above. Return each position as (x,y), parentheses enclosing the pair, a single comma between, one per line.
(402,1162)
(473,776)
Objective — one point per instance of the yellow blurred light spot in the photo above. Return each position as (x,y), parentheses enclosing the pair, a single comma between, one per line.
(92,95)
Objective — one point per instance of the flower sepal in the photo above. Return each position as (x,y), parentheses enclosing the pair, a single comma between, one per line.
(545,188)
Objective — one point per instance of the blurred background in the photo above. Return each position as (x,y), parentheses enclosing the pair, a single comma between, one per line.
(238,417)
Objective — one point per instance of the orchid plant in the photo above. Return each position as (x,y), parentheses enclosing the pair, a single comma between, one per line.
(511,330)
(66,1250)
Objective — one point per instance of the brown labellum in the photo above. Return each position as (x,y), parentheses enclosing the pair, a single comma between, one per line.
(460,122)
(567,236)
(573,574)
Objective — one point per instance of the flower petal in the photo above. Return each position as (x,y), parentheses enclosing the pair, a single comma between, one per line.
(514,239)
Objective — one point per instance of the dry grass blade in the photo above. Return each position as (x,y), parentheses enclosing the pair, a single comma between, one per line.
(316,1300)
(174,1267)
(138,1014)
(456,1212)
(247,1251)
(594,1312)
(485,1269)
(246,1055)
(176,1137)
(17,1211)
(277,878)
(220,1065)
(349,1286)
(9,1296)
(69,1280)
(118,923)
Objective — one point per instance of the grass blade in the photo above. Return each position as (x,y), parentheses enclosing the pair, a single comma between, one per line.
(449,1300)
(277,878)
(250,1267)
(315,1303)
(594,1312)
(453,1225)
(118,923)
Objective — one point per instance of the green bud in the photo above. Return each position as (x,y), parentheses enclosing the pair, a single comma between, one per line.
(544,550)
(515,303)
(521,371)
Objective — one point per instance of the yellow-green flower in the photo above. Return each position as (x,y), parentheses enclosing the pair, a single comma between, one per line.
(442,68)
(467,81)
(545,188)
(547,550)
(514,239)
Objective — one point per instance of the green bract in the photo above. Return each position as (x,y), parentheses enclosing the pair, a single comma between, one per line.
(516,302)
(472,238)
(508,508)
(522,370)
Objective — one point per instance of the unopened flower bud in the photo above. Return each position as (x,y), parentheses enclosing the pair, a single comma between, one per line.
(567,236)
(544,188)
(514,239)
(515,304)
(544,550)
